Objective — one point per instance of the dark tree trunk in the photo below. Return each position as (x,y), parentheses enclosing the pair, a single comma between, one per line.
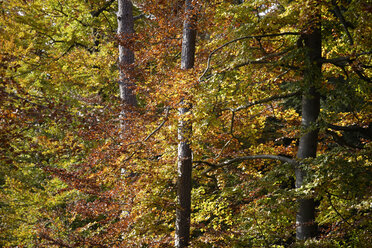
(305,220)
(126,54)
(188,38)
(184,132)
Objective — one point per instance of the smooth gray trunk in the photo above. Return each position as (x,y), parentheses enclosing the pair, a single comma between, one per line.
(305,220)
(184,164)
(126,54)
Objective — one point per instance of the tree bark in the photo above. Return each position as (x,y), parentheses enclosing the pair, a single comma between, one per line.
(184,164)
(305,220)
(126,55)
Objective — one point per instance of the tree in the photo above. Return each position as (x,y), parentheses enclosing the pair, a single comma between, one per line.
(51,84)
(260,67)
(259,52)
(305,220)
(126,54)
(183,210)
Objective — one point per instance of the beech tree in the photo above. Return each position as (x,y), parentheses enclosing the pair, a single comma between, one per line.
(310,108)
(278,99)
(258,56)
(126,54)
(183,210)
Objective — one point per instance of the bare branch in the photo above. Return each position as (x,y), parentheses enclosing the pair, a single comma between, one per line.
(272,157)
(345,60)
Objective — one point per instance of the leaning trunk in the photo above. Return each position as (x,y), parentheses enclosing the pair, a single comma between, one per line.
(184,132)
(305,220)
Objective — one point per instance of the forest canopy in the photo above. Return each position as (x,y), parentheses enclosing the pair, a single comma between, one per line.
(185,123)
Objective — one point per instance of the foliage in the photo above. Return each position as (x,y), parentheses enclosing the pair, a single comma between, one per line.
(70,177)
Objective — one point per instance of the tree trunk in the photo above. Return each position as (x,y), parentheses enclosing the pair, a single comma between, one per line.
(184,131)
(305,220)
(126,54)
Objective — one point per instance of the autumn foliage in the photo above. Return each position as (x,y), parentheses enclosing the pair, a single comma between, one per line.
(73,175)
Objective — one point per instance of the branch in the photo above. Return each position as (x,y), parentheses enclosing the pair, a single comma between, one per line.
(241,159)
(26,100)
(343,61)
(225,145)
(334,208)
(341,141)
(273,157)
(250,62)
(151,134)
(260,60)
(160,126)
(238,39)
(339,15)
(63,13)
(346,128)
(57,242)
(361,75)
(353,128)
(135,18)
(269,99)
(97,12)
